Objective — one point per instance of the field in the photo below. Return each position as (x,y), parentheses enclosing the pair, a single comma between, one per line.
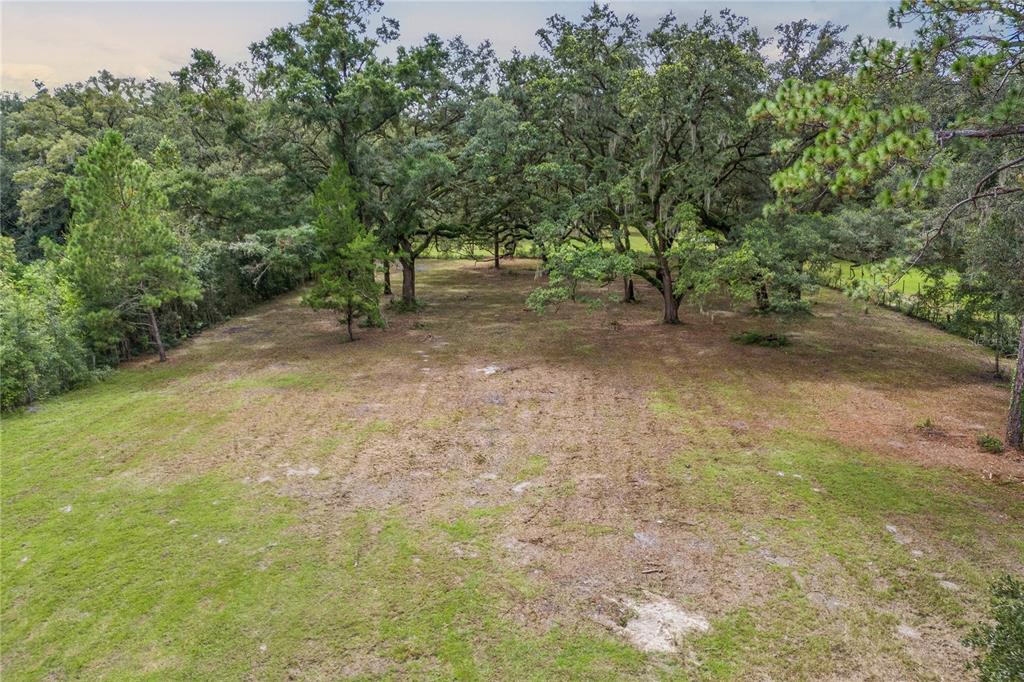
(478,492)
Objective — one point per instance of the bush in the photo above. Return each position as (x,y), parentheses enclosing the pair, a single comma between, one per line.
(990,443)
(759,339)
(41,348)
(1001,641)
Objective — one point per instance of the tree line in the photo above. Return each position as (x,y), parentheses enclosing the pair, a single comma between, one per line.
(698,158)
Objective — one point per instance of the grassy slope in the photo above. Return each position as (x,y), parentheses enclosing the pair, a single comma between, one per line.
(170,523)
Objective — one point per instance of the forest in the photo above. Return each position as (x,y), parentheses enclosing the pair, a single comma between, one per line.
(806,186)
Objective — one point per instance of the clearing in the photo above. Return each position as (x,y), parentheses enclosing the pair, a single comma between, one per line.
(481,493)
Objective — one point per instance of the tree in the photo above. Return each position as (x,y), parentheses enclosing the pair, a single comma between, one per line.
(868,136)
(42,137)
(417,159)
(591,63)
(695,166)
(326,74)
(495,200)
(121,255)
(345,273)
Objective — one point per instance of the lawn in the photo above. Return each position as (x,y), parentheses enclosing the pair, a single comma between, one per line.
(478,492)
(911,283)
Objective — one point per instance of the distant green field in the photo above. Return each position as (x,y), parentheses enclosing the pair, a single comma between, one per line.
(524,249)
(911,283)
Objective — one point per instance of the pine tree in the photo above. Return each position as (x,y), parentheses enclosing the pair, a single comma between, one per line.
(122,256)
(345,274)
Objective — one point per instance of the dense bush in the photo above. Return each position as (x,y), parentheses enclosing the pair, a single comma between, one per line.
(41,347)
(48,343)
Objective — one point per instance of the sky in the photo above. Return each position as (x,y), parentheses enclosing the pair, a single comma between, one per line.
(66,41)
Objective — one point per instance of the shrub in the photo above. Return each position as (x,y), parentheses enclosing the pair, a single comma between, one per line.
(759,339)
(1000,642)
(41,348)
(990,443)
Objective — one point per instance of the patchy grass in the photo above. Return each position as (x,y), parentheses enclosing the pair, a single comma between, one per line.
(273,503)
(769,340)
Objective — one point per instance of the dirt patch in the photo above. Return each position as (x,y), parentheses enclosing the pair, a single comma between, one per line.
(652,624)
(560,437)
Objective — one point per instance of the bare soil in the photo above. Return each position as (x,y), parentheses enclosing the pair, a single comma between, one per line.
(572,425)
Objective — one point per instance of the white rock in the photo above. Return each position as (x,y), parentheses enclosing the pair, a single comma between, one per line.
(908,632)
(645,539)
(897,535)
(659,625)
(301,471)
(520,488)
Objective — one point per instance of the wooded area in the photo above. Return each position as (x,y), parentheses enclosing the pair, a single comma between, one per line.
(684,156)
(138,212)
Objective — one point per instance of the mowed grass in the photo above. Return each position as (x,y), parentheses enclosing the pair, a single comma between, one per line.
(912,282)
(143,538)
(109,575)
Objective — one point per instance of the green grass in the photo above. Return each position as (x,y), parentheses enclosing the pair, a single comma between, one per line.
(826,509)
(912,282)
(136,543)
(113,571)
(207,578)
(532,467)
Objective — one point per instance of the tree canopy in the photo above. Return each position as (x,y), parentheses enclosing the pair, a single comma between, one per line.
(707,160)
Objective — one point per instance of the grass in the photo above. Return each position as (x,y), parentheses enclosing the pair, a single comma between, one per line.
(818,509)
(165,523)
(769,340)
(912,282)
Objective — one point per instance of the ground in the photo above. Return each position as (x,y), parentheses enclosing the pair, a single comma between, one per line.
(478,492)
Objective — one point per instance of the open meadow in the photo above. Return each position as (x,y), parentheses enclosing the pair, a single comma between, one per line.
(480,492)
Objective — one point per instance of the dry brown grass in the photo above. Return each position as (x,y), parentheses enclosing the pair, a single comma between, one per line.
(609,454)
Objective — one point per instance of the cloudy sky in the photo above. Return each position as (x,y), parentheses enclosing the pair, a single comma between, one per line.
(59,42)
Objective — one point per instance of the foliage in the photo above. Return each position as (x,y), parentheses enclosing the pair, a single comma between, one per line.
(345,271)
(121,255)
(41,349)
(769,340)
(1000,643)
(283,255)
(570,264)
(990,443)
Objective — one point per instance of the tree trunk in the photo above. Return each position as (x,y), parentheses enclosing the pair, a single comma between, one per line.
(387,278)
(628,293)
(348,322)
(497,246)
(1014,426)
(998,343)
(154,329)
(671,303)
(761,295)
(408,281)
